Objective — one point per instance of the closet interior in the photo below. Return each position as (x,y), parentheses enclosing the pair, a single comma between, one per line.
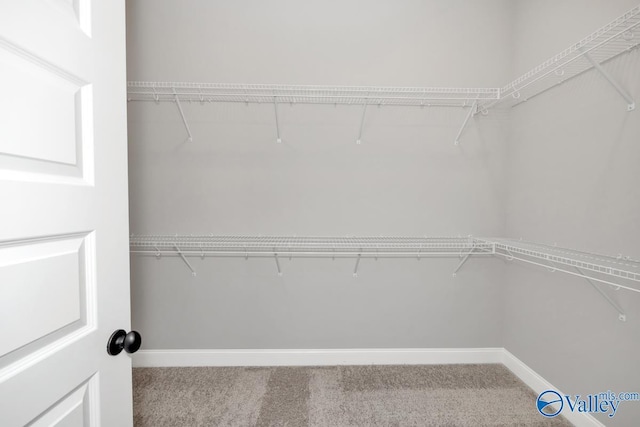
(280,216)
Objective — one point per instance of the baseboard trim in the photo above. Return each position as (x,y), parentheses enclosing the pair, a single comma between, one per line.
(539,384)
(285,357)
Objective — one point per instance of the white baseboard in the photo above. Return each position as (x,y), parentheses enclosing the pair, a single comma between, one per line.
(539,384)
(374,356)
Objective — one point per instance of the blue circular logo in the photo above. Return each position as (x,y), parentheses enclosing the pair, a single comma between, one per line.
(547,398)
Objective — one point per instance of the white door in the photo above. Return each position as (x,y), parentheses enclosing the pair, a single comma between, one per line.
(64,272)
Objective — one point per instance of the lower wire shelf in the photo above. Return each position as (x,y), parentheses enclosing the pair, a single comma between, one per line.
(291,246)
(617,271)
(601,268)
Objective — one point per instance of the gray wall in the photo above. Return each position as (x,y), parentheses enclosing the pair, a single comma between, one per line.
(406,178)
(573,179)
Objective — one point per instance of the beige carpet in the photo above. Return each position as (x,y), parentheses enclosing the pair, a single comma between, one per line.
(434,395)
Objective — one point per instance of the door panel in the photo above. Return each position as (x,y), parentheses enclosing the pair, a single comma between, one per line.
(47,116)
(35,273)
(64,273)
(74,410)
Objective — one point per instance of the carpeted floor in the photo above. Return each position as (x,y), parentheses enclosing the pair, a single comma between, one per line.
(432,395)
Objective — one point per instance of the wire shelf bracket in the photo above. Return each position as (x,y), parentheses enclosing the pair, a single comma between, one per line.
(463,261)
(631,104)
(275,109)
(275,257)
(355,270)
(184,120)
(186,261)
(364,112)
(621,315)
(472,112)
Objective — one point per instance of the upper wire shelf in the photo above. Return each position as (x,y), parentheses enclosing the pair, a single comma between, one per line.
(315,247)
(364,96)
(269,93)
(617,37)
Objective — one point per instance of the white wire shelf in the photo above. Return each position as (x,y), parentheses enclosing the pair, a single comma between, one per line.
(308,247)
(291,246)
(339,95)
(620,272)
(617,37)
(363,96)
(595,267)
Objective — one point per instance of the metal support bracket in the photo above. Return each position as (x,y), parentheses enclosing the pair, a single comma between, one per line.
(631,104)
(464,259)
(552,267)
(275,109)
(472,112)
(621,315)
(275,257)
(509,256)
(184,120)
(355,270)
(364,113)
(193,272)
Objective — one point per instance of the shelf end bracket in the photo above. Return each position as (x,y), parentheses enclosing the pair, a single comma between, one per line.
(631,104)
(621,315)
(463,261)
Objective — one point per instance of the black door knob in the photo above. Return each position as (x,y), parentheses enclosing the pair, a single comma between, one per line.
(121,340)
